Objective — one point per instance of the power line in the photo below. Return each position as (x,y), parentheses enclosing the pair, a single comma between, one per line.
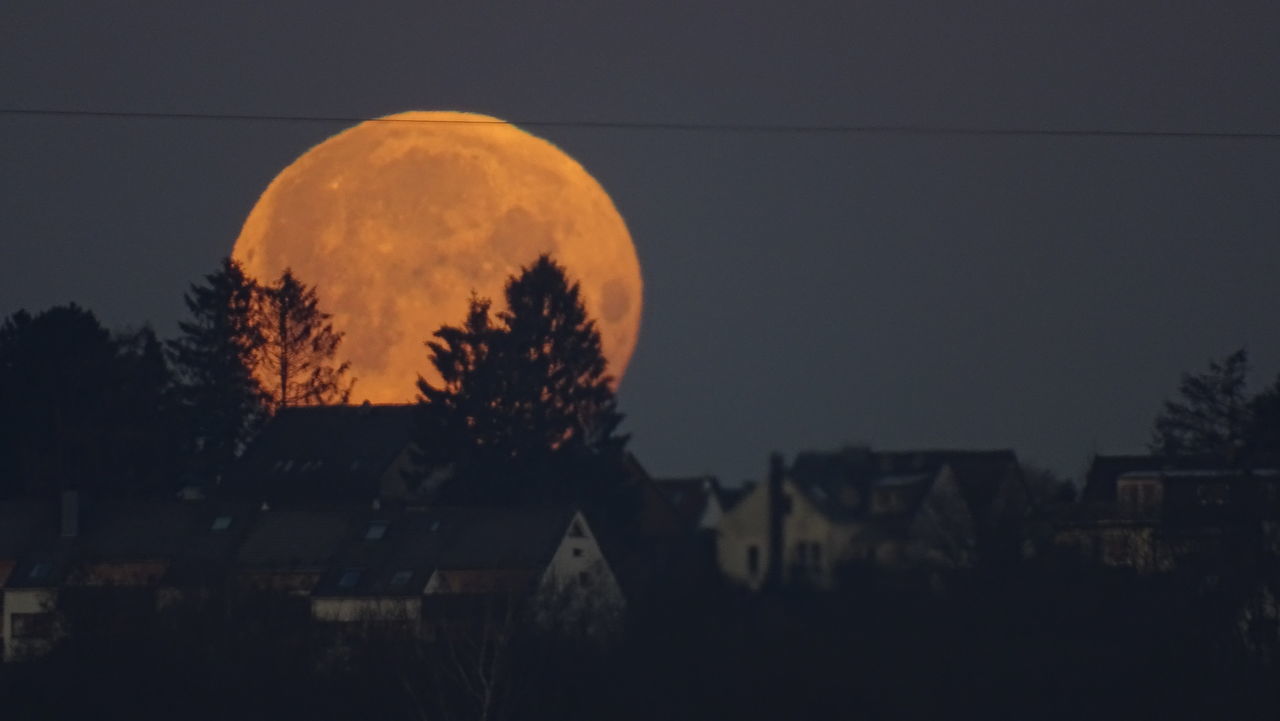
(765,128)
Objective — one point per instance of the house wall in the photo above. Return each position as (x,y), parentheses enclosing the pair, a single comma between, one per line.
(19,601)
(376,609)
(578,585)
(743,528)
(943,532)
(812,544)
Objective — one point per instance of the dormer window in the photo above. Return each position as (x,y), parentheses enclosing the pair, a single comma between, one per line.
(376,531)
(221,523)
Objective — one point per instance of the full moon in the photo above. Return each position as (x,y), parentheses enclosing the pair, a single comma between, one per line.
(397,220)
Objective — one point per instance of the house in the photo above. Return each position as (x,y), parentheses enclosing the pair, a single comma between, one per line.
(418,571)
(135,556)
(28,581)
(335,454)
(937,508)
(1158,514)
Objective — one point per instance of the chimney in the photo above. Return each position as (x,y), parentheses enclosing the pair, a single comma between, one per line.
(70,514)
(778,506)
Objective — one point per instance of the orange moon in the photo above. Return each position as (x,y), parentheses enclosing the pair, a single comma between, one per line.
(397,220)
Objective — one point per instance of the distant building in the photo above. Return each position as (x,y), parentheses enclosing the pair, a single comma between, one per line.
(1158,514)
(417,568)
(422,570)
(327,454)
(947,509)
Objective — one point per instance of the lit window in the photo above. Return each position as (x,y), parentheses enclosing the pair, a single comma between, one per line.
(350,578)
(376,531)
(221,523)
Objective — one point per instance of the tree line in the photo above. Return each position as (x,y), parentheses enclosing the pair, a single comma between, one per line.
(525,410)
(126,413)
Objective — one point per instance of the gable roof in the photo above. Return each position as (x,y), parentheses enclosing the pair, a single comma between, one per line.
(418,542)
(323,453)
(1100,481)
(839,483)
(294,540)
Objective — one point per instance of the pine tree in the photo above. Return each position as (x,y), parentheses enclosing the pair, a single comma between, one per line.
(525,411)
(1212,415)
(299,343)
(214,357)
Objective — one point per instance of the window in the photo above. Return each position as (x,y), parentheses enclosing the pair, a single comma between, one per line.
(575,531)
(350,578)
(584,578)
(32,625)
(815,554)
(376,531)
(40,570)
(753,560)
(577,552)
(401,578)
(221,523)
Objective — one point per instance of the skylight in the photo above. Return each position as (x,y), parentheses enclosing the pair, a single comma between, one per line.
(376,531)
(401,578)
(221,523)
(350,578)
(41,570)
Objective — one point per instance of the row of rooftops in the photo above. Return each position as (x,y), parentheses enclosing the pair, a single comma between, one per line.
(846,484)
(350,551)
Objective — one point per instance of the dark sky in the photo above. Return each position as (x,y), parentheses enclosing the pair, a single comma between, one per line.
(802,290)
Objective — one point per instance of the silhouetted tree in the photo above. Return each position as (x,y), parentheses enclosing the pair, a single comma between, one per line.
(81,409)
(299,344)
(57,368)
(149,415)
(1212,414)
(214,357)
(525,410)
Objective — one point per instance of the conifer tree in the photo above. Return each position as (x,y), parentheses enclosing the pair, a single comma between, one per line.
(299,343)
(214,358)
(1212,414)
(525,411)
